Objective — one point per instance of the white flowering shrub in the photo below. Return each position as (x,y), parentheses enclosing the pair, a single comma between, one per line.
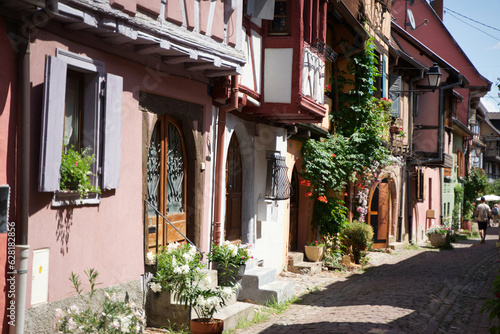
(108,315)
(178,270)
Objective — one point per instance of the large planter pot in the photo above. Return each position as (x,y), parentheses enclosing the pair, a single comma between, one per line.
(203,325)
(229,276)
(162,311)
(438,239)
(314,253)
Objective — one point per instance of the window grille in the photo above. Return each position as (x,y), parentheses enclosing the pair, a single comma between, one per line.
(277,185)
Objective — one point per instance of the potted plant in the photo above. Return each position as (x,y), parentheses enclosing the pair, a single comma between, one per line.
(315,250)
(438,235)
(179,275)
(76,172)
(230,261)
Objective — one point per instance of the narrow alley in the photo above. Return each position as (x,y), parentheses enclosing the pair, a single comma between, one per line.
(412,291)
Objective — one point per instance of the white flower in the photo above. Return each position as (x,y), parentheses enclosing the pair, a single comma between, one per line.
(184,269)
(206,280)
(115,324)
(188,257)
(173,246)
(226,292)
(233,249)
(72,324)
(151,256)
(74,309)
(156,287)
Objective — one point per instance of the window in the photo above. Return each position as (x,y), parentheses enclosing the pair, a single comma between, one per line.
(82,107)
(420,188)
(281,24)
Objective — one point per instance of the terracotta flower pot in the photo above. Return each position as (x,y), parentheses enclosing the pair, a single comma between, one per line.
(204,325)
(314,253)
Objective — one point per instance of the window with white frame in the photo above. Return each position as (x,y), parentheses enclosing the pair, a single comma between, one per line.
(82,107)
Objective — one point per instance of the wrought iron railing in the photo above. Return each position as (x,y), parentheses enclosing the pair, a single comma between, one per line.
(159,214)
(319,47)
(277,184)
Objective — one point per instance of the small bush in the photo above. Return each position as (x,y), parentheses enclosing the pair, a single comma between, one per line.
(357,236)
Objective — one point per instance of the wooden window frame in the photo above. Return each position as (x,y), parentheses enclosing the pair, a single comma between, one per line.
(287,17)
(101,128)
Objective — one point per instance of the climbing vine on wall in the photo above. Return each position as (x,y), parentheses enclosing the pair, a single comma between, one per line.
(350,152)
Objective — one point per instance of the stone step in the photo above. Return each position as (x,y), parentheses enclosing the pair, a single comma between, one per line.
(277,291)
(296,264)
(257,277)
(295,257)
(397,245)
(231,314)
(306,268)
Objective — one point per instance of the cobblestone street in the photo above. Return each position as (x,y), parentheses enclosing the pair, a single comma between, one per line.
(408,291)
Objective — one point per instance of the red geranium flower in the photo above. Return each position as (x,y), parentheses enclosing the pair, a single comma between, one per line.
(322,199)
(309,194)
(305,183)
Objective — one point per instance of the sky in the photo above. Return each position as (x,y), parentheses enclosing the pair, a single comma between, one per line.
(475,25)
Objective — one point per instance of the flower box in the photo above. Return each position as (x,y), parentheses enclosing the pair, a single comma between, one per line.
(438,239)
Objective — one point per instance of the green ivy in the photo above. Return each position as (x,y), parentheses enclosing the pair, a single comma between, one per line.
(354,148)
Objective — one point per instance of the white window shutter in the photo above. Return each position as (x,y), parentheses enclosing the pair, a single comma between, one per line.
(394,95)
(112,132)
(52,124)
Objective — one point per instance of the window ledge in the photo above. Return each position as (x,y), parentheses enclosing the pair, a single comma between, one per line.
(61,198)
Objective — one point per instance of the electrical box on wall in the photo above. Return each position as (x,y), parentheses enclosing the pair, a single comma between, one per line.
(264,210)
(40,272)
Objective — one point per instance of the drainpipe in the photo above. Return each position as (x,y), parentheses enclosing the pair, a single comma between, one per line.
(22,248)
(219,169)
(408,165)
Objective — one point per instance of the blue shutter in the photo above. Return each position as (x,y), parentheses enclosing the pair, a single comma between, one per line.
(384,76)
(394,95)
(112,132)
(52,124)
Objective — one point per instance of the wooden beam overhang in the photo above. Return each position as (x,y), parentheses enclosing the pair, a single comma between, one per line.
(187,53)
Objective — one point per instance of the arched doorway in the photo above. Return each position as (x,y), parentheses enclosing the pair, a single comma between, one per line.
(166,183)
(234,187)
(379,213)
(294,209)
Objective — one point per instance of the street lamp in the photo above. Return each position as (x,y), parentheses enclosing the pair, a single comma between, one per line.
(434,76)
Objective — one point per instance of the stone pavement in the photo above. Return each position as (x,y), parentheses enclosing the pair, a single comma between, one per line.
(408,291)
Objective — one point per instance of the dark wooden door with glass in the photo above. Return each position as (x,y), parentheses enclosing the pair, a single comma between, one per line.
(166,182)
(234,186)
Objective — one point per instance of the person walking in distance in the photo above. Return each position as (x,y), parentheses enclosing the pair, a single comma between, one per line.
(494,212)
(483,213)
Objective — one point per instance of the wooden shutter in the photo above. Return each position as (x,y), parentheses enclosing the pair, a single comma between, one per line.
(112,132)
(394,94)
(384,76)
(52,124)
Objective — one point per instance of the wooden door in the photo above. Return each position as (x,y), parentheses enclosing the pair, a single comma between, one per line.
(166,183)
(378,214)
(294,207)
(234,186)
